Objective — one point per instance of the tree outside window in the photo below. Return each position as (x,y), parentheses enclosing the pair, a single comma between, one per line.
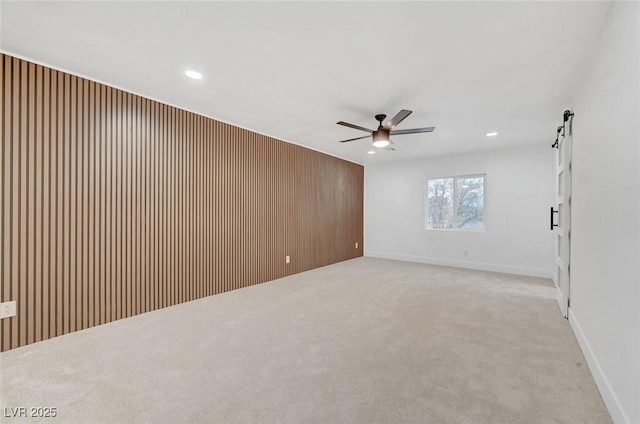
(455,203)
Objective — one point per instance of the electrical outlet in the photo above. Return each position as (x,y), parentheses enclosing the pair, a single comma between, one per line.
(356,245)
(287,259)
(8,309)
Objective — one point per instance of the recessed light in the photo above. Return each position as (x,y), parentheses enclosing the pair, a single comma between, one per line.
(193,74)
(492,134)
(371,152)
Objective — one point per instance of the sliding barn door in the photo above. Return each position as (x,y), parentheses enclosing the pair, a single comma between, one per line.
(561,220)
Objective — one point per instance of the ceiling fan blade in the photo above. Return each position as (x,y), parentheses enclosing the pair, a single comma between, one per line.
(357,138)
(400,116)
(413,131)
(357,127)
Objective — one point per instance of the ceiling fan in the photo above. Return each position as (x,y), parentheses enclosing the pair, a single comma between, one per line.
(381,136)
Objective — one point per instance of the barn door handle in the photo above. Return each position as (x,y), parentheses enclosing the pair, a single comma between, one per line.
(551,224)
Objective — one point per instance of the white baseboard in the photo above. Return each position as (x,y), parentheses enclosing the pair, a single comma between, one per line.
(507,269)
(606,391)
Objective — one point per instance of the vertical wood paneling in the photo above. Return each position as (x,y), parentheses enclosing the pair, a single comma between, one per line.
(5,136)
(106,205)
(72,205)
(114,205)
(13,227)
(46,204)
(84,188)
(38,206)
(127,192)
(119,280)
(23,149)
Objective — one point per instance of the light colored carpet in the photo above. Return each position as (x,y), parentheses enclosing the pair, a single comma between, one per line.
(362,341)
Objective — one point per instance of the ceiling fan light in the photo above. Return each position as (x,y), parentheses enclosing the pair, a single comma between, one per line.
(381,138)
(381,143)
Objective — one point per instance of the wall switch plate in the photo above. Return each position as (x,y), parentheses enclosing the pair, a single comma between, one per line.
(8,309)
(356,245)
(287,259)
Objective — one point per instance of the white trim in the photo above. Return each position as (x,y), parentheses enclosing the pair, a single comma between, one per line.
(505,269)
(606,391)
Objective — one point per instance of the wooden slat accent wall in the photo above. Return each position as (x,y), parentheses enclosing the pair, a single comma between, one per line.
(113,205)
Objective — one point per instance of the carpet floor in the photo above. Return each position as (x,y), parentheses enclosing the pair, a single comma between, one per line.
(362,341)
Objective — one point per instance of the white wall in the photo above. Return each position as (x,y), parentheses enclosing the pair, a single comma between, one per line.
(519,191)
(605,255)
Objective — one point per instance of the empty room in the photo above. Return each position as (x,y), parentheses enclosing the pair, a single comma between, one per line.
(320,212)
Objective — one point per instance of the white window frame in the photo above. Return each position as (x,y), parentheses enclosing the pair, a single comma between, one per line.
(455,203)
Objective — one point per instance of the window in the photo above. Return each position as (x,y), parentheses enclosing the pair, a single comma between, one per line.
(455,203)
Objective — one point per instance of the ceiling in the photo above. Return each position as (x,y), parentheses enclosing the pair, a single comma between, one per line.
(291,70)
